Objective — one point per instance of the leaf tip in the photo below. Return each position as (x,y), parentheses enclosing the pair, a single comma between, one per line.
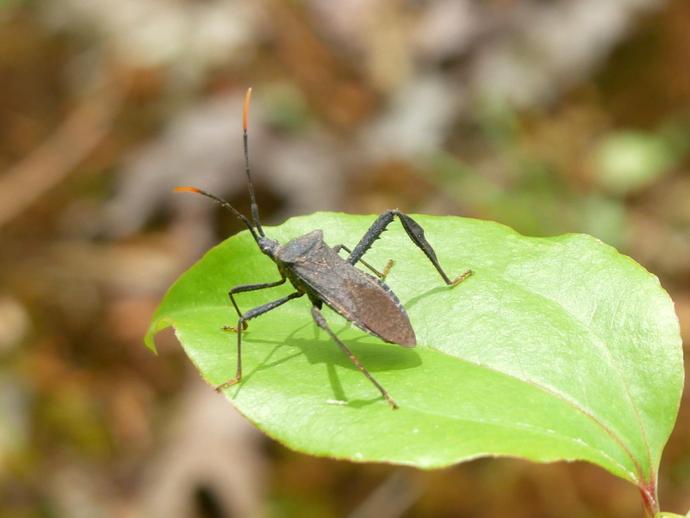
(150,342)
(156,326)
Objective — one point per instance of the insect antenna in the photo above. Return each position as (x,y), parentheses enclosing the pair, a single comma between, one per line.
(245,138)
(225,205)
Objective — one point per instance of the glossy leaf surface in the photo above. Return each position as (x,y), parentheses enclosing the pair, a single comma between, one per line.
(555,349)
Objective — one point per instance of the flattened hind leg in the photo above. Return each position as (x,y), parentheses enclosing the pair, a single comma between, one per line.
(416,234)
(321,322)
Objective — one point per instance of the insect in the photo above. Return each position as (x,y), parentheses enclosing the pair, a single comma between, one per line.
(316,270)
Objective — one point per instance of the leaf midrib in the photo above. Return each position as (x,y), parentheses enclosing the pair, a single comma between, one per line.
(537,430)
(559,396)
(588,413)
(604,346)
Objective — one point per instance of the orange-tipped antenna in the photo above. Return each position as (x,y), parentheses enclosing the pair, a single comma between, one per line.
(224,204)
(245,124)
(245,109)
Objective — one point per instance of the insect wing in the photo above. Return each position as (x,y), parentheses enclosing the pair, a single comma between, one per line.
(357,296)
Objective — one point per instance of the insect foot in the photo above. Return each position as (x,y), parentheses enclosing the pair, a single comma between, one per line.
(228,384)
(390,401)
(461,278)
(387,269)
(232,329)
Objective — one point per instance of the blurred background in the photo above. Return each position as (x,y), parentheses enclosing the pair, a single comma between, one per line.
(548,116)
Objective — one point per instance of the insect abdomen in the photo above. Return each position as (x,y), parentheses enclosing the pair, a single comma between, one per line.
(357,296)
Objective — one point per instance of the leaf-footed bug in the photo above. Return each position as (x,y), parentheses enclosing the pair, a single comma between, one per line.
(318,271)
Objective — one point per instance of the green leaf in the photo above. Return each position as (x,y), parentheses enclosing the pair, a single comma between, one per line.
(555,349)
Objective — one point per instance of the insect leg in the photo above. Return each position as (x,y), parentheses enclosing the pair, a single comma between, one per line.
(249,287)
(321,322)
(252,313)
(416,233)
(380,275)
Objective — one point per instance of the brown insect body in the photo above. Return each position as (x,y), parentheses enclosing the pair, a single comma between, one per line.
(316,269)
